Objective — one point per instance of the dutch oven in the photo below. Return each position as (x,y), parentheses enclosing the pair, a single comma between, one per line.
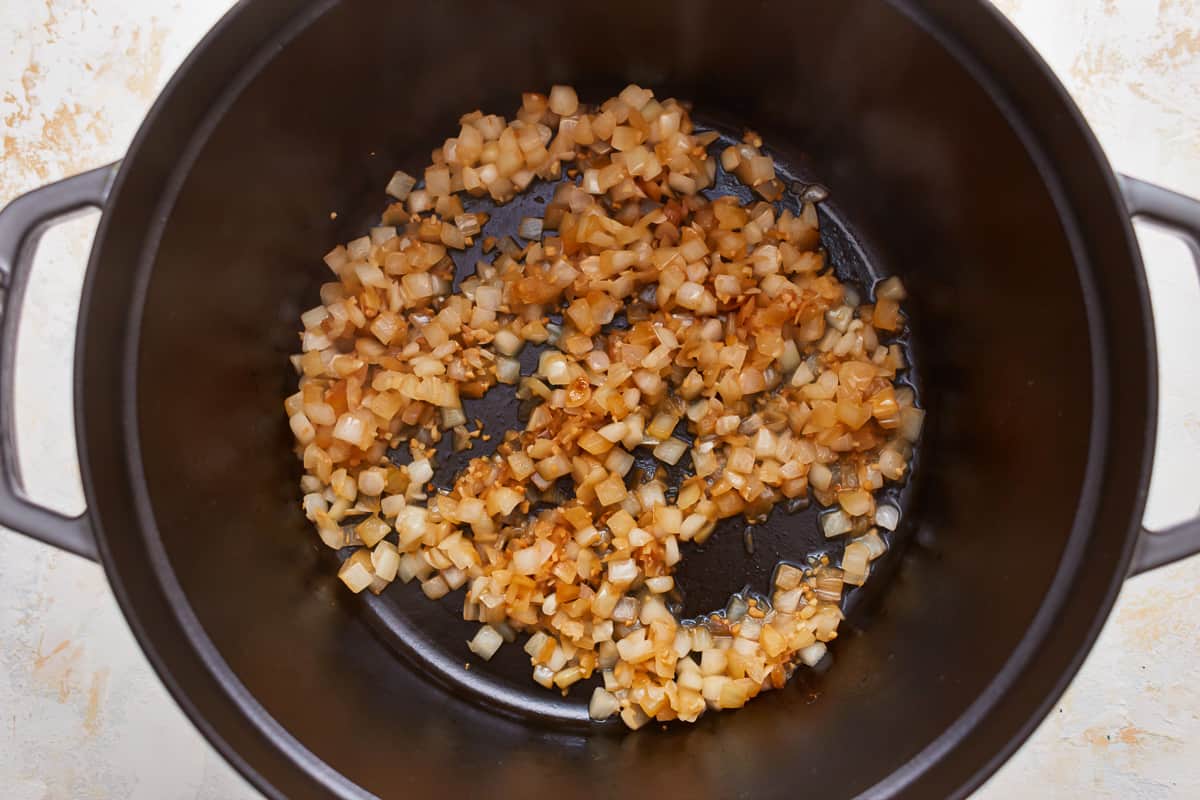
(955,160)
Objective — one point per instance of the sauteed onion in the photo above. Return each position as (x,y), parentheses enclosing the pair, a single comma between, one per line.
(706,331)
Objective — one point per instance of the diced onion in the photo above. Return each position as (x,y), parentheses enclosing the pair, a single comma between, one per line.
(911,420)
(420,471)
(836,523)
(356,571)
(622,572)
(485,642)
(813,654)
(508,370)
(887,516)
(891,289)
(670,451)
(603,704)
(661,584)
(385,560)
(874,543)
(530,228)
(667,323)
(435,588)
(401,185)
(563,100)
(626,610)
(856,502)
(856,561)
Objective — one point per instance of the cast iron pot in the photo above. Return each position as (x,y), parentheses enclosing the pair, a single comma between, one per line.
(957,161)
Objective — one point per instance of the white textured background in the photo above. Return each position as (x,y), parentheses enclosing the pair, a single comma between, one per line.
(83,716)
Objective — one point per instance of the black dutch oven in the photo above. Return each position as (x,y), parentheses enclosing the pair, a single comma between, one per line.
(956,160)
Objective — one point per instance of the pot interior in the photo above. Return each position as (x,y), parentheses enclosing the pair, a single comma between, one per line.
(928,175)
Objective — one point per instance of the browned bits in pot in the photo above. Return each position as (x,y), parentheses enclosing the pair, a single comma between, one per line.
(738,356)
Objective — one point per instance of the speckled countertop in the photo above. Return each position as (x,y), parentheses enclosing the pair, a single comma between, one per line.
(83,716)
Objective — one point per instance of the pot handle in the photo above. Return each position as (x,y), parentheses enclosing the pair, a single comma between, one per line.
(22,223)
(1179,215)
